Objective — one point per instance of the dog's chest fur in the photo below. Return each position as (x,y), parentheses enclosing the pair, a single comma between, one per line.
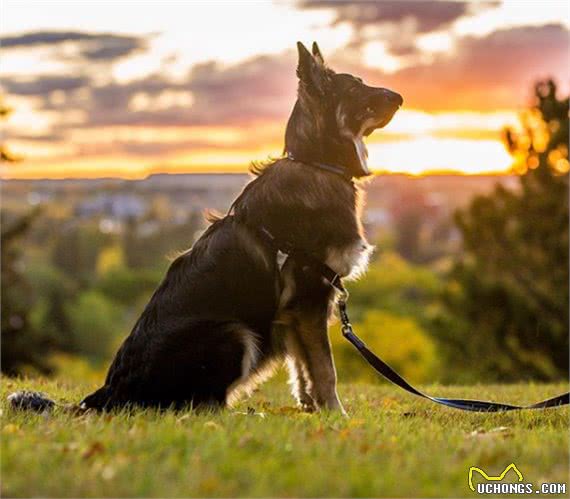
(350,261)
(315,211)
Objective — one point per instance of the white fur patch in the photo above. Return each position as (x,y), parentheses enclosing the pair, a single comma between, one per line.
(281,259)
(350,262)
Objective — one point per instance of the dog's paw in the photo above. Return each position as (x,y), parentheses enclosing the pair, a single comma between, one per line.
(306,403)
(333,406)
(307,406)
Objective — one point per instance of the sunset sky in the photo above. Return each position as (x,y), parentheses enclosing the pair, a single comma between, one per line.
(130,88)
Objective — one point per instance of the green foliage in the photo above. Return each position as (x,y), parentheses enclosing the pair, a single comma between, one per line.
(76,250)
(507,298)
(95,325)
(391,445)
(399,340)
(391,283)
(54,290)
(23,345)
(126,286)
(5,154)
(151,250)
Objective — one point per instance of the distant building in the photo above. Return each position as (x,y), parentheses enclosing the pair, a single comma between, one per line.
(114,206)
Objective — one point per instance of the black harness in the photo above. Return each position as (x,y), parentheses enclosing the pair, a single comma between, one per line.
(376,362)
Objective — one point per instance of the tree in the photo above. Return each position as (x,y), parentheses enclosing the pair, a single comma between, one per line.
(22,344)
(507,297)
(5,154)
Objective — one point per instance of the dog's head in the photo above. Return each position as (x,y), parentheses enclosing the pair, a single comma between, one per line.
(335,111)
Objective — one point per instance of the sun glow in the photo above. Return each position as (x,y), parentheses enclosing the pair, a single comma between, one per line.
(423,155)
(415,142)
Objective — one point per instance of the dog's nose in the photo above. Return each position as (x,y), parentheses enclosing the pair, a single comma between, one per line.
(393,97)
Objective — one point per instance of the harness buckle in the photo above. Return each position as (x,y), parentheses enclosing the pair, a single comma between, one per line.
(343,294)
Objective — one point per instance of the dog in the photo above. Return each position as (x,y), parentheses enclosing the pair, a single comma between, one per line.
(234,306)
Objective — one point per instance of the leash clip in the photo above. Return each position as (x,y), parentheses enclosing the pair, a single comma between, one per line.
(346,329)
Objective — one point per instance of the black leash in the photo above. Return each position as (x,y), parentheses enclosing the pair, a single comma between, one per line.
(385,370)
(376,362)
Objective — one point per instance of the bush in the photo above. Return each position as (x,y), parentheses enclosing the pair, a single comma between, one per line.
(127,286)
(399,341)
(96,324)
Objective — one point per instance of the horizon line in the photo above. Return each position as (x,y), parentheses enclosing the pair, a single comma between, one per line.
(375,173)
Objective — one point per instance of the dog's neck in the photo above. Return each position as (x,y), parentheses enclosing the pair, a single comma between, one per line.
(315,138)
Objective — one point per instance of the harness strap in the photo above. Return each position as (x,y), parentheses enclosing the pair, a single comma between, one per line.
(303,257)
(376,362)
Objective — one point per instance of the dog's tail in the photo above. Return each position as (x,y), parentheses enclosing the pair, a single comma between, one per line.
(31,401)
(27,400)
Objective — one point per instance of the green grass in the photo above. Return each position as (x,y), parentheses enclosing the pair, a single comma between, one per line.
(391,445)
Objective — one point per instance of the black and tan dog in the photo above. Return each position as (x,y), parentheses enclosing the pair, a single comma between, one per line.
(229,309)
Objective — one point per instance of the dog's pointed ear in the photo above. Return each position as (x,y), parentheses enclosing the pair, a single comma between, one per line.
(306,61)
(317,53)
(311,70)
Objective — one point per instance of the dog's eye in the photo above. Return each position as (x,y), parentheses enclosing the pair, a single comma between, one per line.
(369,110)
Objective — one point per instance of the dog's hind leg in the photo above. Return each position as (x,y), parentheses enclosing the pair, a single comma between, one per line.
(253,366)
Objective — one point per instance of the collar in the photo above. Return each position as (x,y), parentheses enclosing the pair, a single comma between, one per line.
(336,169)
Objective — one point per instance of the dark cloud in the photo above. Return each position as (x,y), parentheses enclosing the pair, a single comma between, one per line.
(42,38)
(153,148)
(52,136)
(495,71)
(261,88)
(42,86)
(397,22)
(486,73)
(428,15)
(114,98)
(92,46)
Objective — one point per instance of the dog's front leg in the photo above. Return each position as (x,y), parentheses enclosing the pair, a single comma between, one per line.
(298,377)
(312,336)
(309,343)
(304,314)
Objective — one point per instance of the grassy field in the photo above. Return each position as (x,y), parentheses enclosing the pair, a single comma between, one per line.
(391,445)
